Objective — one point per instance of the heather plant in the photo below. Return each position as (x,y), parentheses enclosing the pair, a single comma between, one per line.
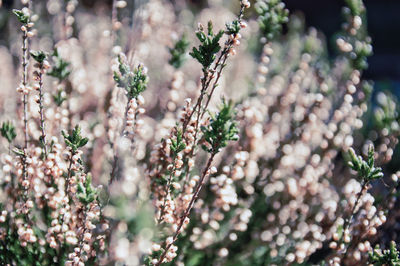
(134,138)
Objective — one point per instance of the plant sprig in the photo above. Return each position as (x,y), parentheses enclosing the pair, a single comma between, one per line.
(178,144)
(365,169)
(221,129)
(60,70)
(178,52)
(386,257)
(387,112)
(134,82)
(39,56)
(86,192)
(21,16)
(59,97)
(209,47)
(75,140)
(233,27)
(356,34)
(367,172)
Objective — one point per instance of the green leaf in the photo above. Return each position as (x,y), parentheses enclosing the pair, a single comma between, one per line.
(233,27)
(24,19)
(209,46)
(221,129)
(83,142)
(60,68)
(178,52)
(59,97)
(386,257)
(18,152)
(8,131)
(365,169)
(355,6)
(39,56)
(74,140)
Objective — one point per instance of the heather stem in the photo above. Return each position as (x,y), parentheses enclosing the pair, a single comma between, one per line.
(348,221)
(69,174)
(41,112)
(24,83)
(347,224)
(160,218)
(189,208)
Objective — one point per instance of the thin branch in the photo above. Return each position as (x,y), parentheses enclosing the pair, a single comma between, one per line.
(189,208)
(41,112)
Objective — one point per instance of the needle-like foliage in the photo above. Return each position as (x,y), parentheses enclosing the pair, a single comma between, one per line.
(221,129)
(209,46)
(8,131)
(134,82)
(365,169)
(75,140)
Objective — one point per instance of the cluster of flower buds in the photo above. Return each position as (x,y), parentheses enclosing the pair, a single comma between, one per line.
(24,89)
(25,233)
(27,28)
(132,121)
(42,67)
(235,39)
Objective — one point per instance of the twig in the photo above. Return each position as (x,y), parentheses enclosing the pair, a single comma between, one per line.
(41,109)
(347,223)
(24,83)
(189,208)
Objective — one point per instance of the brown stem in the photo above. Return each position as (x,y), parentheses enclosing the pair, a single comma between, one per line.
(204,85)
(69,175)
(41,112)
(189,208)
(224,57)
(168,192)
(215,84)
(206,81)
(347,223)
(24,83)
